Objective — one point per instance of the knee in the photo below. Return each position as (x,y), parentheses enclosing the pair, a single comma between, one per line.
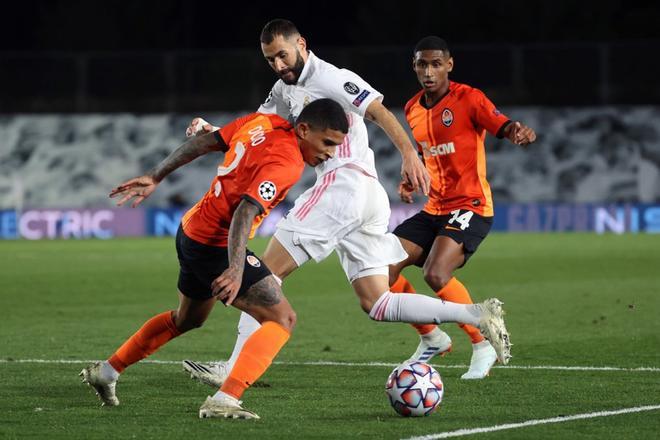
(286,319)
(290,320)
(436,279)
(367,304)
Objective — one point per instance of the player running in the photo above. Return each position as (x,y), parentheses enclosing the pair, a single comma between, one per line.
(449,123)
(347,210)
(264,157)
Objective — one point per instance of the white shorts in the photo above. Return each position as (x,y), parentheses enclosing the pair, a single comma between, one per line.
(346,211)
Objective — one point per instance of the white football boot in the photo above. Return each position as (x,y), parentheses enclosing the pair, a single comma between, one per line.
(492,327)
(483,358)
(104,388)
(431,344)
(212,374)
(226,407)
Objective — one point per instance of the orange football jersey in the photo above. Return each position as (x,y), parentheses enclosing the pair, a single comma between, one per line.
(451,136)
(262,163)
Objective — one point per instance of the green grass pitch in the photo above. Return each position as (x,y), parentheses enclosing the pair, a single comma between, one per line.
(572,300)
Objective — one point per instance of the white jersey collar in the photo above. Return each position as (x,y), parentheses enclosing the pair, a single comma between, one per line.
(308,69)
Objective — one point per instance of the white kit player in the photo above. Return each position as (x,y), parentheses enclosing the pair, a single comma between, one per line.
(347,210)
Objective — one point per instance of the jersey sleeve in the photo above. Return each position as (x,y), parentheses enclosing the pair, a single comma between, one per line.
(272,181)
(224,134)
(348,89)
(274,103)
(485,113)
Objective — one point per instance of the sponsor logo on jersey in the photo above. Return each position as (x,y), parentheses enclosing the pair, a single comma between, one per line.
(351,88)
(447,117)
(438,150)
(217,189)
(267,190)
(306,101)
(361,97)
(253,261)
(496,112)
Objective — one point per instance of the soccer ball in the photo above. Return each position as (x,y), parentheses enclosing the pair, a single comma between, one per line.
(415,389)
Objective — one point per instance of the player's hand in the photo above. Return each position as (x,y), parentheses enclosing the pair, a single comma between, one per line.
(406,192)
(414,173)
(520,134)
(226,286)
(139,187)
(199,126)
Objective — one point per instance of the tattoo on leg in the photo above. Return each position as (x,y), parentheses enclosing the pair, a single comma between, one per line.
(263,293)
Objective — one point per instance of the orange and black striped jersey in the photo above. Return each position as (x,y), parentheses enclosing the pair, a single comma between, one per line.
(451,136)
(262,163)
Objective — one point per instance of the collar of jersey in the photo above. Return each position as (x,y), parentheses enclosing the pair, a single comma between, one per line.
(311,58)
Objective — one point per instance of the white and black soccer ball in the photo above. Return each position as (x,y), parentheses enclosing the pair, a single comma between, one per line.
(414,389)
(267,190)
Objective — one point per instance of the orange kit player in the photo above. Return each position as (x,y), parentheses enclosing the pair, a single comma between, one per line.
(449,123)
(264,157)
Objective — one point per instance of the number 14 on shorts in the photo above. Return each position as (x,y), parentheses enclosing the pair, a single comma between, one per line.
(462,219)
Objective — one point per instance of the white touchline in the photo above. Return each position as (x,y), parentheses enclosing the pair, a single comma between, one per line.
(6,360)
(462,432)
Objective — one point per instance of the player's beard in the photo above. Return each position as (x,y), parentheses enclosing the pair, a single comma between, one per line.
(296,70)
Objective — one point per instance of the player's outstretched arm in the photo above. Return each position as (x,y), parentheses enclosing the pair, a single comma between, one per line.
(412,169)
(519,133)
(141,187)
(226,286)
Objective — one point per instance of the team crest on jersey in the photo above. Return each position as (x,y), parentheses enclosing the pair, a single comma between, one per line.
(253,261)
(267,190)
(496,112)
(351,88)
(447,117)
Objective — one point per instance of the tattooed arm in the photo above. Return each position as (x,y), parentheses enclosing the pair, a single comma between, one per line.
(226,286)
(190,150)
(142,187)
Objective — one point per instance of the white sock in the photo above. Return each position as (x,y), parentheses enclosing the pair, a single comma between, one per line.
(108,372)
(220,395)
(246,326)
(432,334)
(480,345)
(422,309)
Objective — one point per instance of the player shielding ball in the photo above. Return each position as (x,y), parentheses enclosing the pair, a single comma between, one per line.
(449,122)
(264,157)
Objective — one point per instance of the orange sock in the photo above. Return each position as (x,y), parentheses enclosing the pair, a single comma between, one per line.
(402,285)
(455,291)
(256,356)
(154,333)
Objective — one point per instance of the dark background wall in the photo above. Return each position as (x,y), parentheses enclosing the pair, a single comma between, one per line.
(179,56)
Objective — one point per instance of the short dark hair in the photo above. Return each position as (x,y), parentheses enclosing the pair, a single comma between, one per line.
(276,27)
(432,43)
(323,114)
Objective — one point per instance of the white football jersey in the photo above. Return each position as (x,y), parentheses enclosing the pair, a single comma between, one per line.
(320,79)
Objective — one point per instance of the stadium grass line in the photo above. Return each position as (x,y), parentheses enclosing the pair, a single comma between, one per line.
(534,422)
(350,364)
